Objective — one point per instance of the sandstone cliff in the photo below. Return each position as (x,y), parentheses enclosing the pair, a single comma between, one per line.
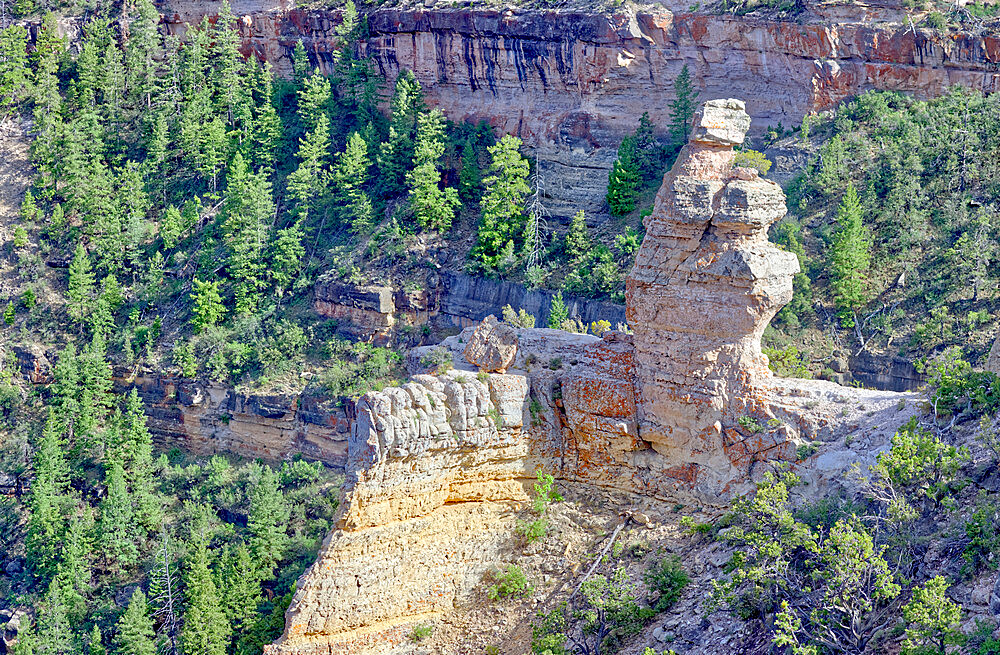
(572,84)
(683,408)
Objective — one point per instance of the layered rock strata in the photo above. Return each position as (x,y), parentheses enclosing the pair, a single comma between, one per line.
(682,408)
(572,84)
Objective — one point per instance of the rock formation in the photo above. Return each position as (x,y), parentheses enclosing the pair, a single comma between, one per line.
(572,84)
(438,468)
(706,283)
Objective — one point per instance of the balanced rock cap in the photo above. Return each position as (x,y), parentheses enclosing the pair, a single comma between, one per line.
(721,122)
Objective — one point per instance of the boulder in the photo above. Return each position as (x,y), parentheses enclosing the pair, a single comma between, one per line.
(492,347)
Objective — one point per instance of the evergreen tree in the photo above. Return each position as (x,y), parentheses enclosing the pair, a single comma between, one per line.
(227,68)
(933,620)
(396,153)
(239,589)
(648,153)
(208,309)
(117,526)
(267,517)
(81,284)
(134,632)
(300,64)
(13,67)
(137,454)
(206,630)
(623,181)
(305,183)
(267,126)
(140,54)
(54,632)
(249,209)
(850,258)
(470,178)
(286,257)
(73,572)
(350,177)
(95,646)
(558,313)
(578,242)
(47,501)
(433,208)
(314,98)
(502,204)
(171,227)
(682,108)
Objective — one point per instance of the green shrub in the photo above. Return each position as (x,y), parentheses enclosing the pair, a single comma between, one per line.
(420,632)
(982,538)
(548,632)
(750,424)
(752,159)
(788,362)
(667,578)
(438,360)
(545,495)
(511,583)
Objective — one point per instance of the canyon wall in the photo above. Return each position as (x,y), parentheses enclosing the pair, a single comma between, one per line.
(204,418)
(682,409)
(572,84)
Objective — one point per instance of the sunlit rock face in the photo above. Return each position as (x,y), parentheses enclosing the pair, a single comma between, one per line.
(706,283)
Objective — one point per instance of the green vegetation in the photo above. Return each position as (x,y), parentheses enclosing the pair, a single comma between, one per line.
(545,494)
(510,583)
(210,548)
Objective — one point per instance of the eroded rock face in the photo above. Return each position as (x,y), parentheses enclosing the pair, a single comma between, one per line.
(706,283)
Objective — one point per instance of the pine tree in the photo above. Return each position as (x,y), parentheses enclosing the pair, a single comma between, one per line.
(171,227)
(647,150)
(558,313)
(227,67)
(267,127)
(206,630)
(286,257)
(73,572)
(314,98)
(433,208)
(300,64)
(470,178)
(134,631)
(239,589)
(578,242)
(850,258)
(54,632)
(117,525)
(682,108)
(396,153)
(47,500)
(623,181)
(502,204)
(138,456)
(248,209)
(304,184)
(81,284)
(350,177)
(95,645)
(143,46)
(13,67)
(267,517)
(208,309)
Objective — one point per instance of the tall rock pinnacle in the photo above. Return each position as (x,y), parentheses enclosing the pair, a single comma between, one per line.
(706,282)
